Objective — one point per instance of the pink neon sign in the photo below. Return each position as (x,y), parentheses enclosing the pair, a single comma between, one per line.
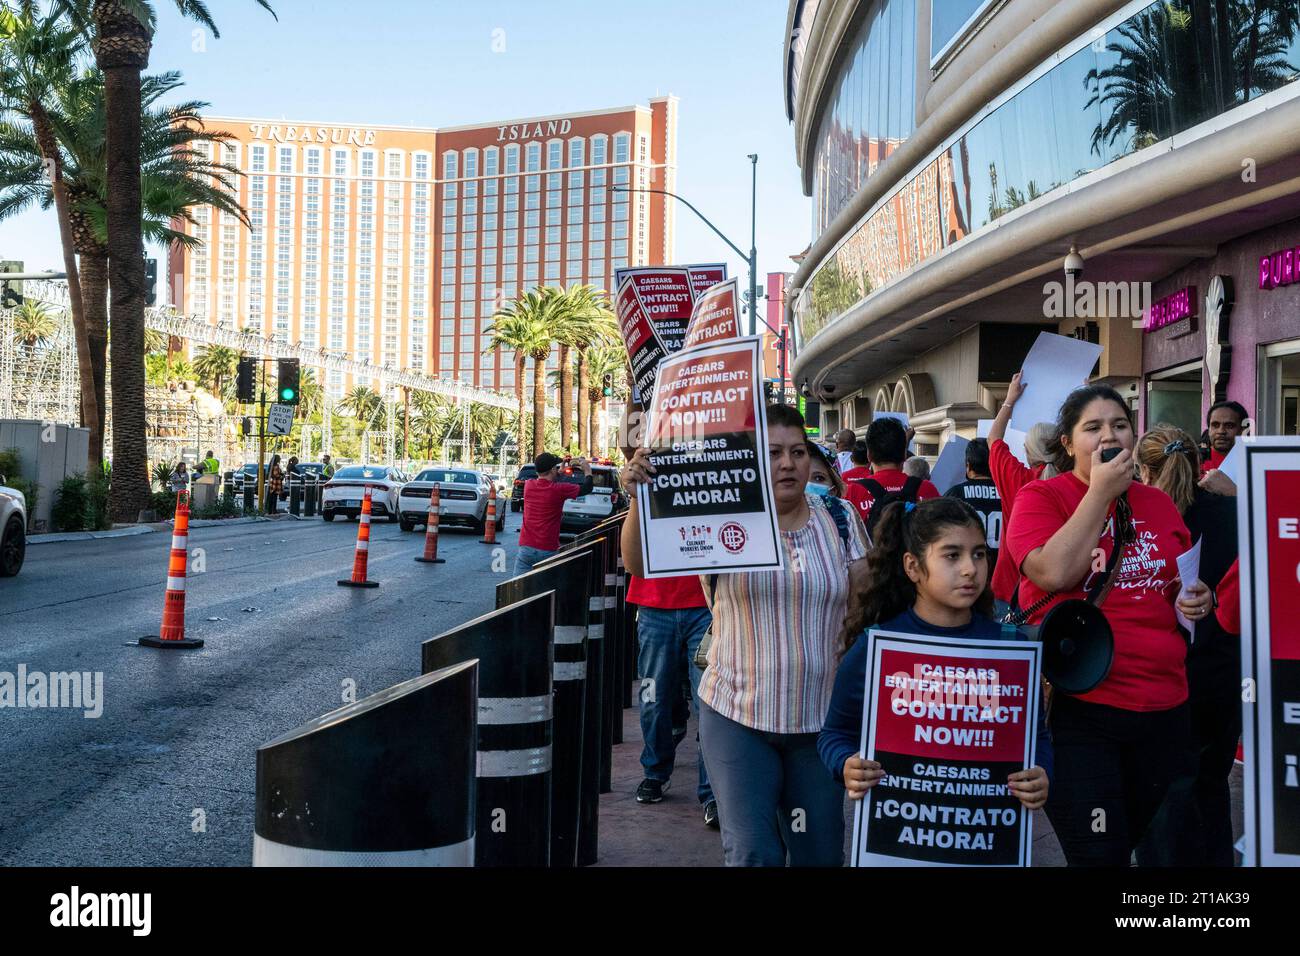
(1172,308)
(1279,269)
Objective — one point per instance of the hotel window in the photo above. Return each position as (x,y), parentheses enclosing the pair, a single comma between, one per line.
(467,274)
(449,164)
(448,257)
(340,166)
(620,211)
(575,214)
(530,254)
(469,206)
(509,287)
(598,177)
(449,207)
(449,224)
(491,156)
(532,218)
(448,277)
(447,294)
(450,191)
(530,272)
(575,191)
(599,149)
(553,233)
(313,162)
(552,217)
(553,251)
(554,154)
(420,162)
(469,224)
(489,227)
(471,162)
(619,247)
(574,250)
(449,241)
(489,257)
(620,230)
(533,201)
(577,151)
(512,187)
(534,161)
(258,162)
(597,215)
(510,237)
(471,189)
(510,220)
(598,196)
(531,237)
(466,293)
(512,159)
(622,147)
(491,187)
(285,159)
(595,269)
(621,175)
(510,254)
(573,269)
(490,203)
(489,274)
(393,163)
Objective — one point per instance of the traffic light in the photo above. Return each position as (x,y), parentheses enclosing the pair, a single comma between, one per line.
(150,281)
(609,385)
(244,388)
(288,373)
(767,393)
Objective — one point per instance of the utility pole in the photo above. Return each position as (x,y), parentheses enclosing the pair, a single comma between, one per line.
(261,438)
(753,251)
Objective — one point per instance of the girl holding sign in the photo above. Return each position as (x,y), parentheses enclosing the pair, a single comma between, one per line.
(771,665)
(1119,745)
(929,574)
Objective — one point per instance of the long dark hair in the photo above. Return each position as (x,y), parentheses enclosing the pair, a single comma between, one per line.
(889,591)
(1071,410)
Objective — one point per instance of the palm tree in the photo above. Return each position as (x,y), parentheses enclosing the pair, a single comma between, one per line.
(599,327)
(37,52)
(122,35)
(365,405)
(34,324)
(214,365)
(579,321)
(527,325)
(311,395)
(431,419)
(605,360)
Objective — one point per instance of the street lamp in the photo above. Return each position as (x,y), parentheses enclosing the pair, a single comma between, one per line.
(752,258)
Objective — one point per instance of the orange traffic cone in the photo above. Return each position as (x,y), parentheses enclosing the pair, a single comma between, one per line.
(490,519)
(431,529)
(172,632)
(362,556)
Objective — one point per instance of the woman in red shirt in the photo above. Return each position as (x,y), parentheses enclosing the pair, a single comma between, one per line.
(1119,745)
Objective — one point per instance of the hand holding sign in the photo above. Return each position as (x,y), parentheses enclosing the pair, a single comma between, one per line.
(860,775)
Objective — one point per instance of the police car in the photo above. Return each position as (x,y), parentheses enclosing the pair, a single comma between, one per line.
(13,529)
(343,493)
(607,498)
(463,495)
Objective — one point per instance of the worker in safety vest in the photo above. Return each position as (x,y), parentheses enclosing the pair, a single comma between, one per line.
(210,464)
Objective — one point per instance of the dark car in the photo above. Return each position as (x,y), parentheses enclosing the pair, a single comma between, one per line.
(517,492)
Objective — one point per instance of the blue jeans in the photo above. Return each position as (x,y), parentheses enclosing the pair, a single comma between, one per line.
(775,797)
(527,557)
(668,641)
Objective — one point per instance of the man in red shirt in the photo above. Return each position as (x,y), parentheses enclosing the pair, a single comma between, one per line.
(861,463)
(544,498)
(1224,424)
(887,450)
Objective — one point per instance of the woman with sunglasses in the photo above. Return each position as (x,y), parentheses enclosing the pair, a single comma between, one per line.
(1119,745)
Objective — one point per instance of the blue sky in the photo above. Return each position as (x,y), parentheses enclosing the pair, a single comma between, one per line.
(433,63)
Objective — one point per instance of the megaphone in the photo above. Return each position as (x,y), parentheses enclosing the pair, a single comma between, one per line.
(1078,646)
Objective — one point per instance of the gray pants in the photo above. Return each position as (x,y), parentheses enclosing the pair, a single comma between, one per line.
(777,802)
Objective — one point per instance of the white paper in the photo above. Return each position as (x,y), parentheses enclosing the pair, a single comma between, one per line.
(1189,571)
(983,427)
(900,416)
(950,468)
(1228,466)
(1055,366)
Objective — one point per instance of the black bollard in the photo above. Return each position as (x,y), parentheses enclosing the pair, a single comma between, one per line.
(387,781)
(250,496)
(309,500)
(295,498)
(601,603)
(514,649)
(567,576)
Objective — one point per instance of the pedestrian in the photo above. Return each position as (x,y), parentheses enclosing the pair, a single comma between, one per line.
(824,480)
(1225,421)
(327,467)
(180,479)
(928,573)
(671,619)
(1194,827)
(210,464)
(861,462)
(980,492)
(1118,746)
(771,665)
(274,485)
(844,441)
(917,467)
(1010,474)
(544,498)
(887,450)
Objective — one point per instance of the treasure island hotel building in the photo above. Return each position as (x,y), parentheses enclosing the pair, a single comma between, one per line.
(397,244)
(957,150)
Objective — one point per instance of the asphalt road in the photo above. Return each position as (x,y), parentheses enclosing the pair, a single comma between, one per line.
(179,729)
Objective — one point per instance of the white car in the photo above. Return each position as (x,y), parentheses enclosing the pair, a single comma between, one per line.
(343,493)
(13,529)
(463,495)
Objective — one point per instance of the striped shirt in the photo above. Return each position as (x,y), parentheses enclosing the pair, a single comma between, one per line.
(772,661)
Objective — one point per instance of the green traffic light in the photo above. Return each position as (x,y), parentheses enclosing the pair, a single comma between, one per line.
(286,394)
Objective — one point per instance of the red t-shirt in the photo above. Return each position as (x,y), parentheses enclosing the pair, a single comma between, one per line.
(858,471)
(1229,594)
(543,507)
(891,480)
(667,594)
(1148,671)
(1214,461)
(1010,474)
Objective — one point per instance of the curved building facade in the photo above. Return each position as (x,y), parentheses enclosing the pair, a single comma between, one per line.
(957,150)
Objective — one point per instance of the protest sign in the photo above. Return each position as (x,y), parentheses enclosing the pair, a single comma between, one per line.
(950,468)
(1268,529)
(1189,571)
(644,348)
(715,317)
(709,504)
(1055,366)
(666,296)
(705,275)
(948,720)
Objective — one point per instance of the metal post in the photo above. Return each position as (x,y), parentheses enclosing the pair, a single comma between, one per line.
(261,441)
(753,251)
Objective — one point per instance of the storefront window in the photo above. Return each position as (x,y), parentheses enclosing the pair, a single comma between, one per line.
(1161,71)
(1279,389)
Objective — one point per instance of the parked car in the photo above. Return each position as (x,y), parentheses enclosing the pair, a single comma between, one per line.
(13,529)
(607,498)
(343,493)
(246,473)
(463,495)
(517,491)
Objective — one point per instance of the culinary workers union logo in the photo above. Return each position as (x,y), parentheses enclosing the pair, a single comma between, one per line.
(733,537)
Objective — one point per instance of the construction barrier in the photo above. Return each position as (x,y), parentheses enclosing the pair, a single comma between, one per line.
(490,518)
(387,781)
(361,558)
(171,634)
(431,529)
(514,647)
(574,807)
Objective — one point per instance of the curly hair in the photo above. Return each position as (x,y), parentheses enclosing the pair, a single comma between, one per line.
(889,591)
